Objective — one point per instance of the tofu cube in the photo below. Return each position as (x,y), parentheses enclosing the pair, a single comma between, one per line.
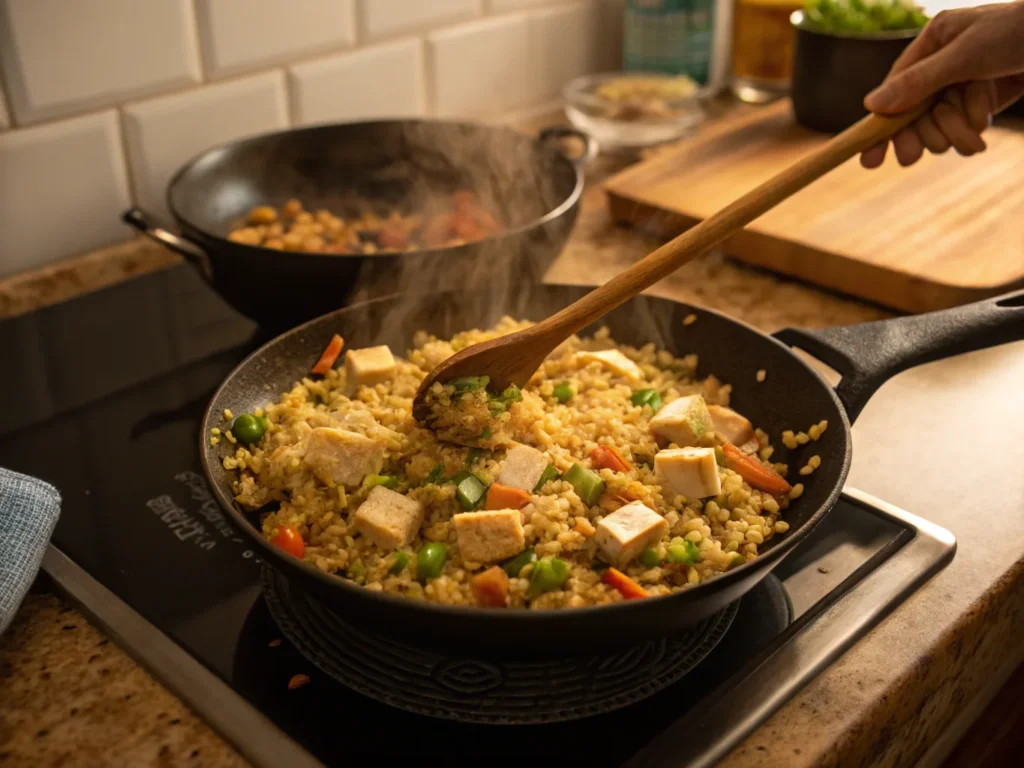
(733,428)
(522,467)
(683,421)
(366,367)
(691,472)
(485,537)
(388,519)
(614,361)
(341,457)
(628,531)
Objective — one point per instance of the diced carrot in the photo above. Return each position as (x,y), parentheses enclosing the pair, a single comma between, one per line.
(628,588)
(606,457)
(490,588)
(289,540)
(756,474)
(330,356)
(297,681)
(463,198)
(506,497)
(467,228)
(392,235)
(439,230)
(487,221)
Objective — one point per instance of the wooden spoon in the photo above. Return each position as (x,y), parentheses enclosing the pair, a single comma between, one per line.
(514,358)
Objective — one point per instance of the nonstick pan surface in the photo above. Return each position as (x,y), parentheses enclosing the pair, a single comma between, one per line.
(793,396)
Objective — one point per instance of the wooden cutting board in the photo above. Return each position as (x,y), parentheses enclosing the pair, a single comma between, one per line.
(947,231)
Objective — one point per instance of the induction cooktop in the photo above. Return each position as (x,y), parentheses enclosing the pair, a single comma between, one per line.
(110,388)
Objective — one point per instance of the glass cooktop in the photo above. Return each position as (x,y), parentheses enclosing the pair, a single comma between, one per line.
(108,392)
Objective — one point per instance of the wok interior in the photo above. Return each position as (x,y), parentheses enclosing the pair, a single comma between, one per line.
(353,168)
(791,397)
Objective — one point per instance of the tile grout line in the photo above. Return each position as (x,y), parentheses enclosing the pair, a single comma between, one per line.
(427,88)
(291,97)
(122,130)
(5,86)
(204,74)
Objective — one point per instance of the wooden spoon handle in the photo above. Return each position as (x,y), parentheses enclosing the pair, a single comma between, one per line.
(714,230)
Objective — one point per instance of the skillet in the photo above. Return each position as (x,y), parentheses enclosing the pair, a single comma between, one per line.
(379,165)
(793,396)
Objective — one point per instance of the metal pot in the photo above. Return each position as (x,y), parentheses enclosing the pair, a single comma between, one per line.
(793,394)
(834,71)
(385,165)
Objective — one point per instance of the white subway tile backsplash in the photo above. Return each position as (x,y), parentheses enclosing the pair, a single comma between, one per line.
(163,133)
(384,18)
(242,34)
(62,190)
(565,45)
(482,67)
(62,62)
(380,81)
(62,57)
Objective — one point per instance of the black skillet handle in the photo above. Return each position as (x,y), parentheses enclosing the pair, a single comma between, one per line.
(869,354)
(194,255)
(590,145)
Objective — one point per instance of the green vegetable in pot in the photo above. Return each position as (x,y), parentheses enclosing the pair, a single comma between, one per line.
(498,404)
(683,554)
(516,564)
(563,392)
(649,397)
(549,474)
(649,557)
(436,474)
(548,574)
(430,561)
(248,429)
(356,571)
(388,481)
(588,485)
(864,17)
(469,490)
(465,384)
(398,563)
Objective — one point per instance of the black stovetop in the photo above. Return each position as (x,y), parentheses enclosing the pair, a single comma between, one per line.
(104,396)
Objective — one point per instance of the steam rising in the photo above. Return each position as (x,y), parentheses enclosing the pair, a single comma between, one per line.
(518,181)
(473,285)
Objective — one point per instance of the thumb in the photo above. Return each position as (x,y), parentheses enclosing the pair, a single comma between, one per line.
(914,84)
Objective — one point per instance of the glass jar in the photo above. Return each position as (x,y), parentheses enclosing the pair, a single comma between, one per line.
(762,49)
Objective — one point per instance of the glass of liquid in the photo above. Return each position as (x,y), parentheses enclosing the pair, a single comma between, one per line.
(762,49)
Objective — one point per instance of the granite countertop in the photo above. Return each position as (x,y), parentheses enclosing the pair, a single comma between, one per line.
(72,697)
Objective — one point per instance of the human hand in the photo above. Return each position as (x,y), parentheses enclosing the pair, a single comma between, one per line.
(975,57)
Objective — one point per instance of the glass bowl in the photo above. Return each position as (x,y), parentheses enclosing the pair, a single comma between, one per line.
(633,109)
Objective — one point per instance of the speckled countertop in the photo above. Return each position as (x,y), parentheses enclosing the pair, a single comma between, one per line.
(70,697)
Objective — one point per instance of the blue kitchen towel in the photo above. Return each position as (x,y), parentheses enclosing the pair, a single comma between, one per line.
(28,513)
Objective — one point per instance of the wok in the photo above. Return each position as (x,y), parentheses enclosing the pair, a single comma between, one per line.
(530,184)
(793,396)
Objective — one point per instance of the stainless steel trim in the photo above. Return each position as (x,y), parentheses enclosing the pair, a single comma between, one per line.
(247,729)
(756,693)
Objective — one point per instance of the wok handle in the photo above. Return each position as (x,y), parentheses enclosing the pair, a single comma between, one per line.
(869,354)
(590,145)
(193,254)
